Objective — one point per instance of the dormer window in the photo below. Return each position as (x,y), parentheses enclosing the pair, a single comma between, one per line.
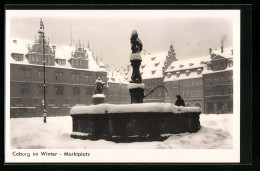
(153,72)
(177,73)
(199,71)
(181,66)
(187,72)
(172,67)
(156,64)
(169,75)
(190,64)
(143,66)
(141,73)
(153,58)
(230,63)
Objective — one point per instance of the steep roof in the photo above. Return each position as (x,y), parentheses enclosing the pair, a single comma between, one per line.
(61,52)
(183,76)
(190,63)
(114,76)
(152,64)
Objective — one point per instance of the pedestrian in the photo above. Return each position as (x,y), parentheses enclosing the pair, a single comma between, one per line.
(179,101)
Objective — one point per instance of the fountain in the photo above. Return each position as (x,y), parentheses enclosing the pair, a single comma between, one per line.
(137,121)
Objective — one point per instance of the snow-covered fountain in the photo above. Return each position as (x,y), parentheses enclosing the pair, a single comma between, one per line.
(137,121)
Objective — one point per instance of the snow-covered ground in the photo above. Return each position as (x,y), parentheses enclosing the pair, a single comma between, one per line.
(31,133)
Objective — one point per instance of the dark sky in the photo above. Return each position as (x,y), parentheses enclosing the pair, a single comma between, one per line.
(192,33)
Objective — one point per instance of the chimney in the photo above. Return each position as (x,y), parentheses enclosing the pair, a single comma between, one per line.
(222,42)
(210,50)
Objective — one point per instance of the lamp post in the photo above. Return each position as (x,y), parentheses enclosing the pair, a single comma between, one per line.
(41,31)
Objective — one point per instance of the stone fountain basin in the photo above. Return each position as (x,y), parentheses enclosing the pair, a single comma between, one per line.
(133,122)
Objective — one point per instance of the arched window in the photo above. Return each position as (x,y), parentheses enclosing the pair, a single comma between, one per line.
(188,105)
(197,105)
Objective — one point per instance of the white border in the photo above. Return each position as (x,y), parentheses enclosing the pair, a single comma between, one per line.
(125,155)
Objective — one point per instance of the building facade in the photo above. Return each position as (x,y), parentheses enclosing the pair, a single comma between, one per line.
(218,82)
(184,77)
(70,74)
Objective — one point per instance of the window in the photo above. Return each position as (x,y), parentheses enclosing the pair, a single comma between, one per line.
(197,105)
(25,74)
(25,89)
(192,83)
(89,91)
(216,79)
(207,80)
(211,79)
(33,58)
(76,91)
(17,57)
(58,76)
(40,89)
(89,78)
(188,104)
(59,90)
(222,78)
(75,77)
(222,65)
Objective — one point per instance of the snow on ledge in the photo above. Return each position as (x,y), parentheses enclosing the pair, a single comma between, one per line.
(135,56)
(135,85)
(132,108)
(80,134)
(98,96)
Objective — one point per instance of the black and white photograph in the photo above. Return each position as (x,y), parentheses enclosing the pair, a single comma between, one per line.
(86,86)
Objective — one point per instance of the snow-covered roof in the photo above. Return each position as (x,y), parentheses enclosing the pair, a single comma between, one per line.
(183,76)
(206,71)
(61,52)
(152,64)
(16,45)
(114,76)
(187,64)
(227,52)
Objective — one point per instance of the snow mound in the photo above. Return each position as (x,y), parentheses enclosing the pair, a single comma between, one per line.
(98,96)
(135,56)
(130,108)
(31,133)
(135,85)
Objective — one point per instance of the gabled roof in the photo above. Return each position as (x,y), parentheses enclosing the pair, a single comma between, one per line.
(227,53)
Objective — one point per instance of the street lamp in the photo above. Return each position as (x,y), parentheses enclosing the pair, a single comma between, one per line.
(41,31)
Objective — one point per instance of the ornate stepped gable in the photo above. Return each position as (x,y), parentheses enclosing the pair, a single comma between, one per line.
(35,55)
(79,59)
(59,56)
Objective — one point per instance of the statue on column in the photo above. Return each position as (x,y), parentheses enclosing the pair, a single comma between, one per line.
(136,86)
(99,86)
(135,58)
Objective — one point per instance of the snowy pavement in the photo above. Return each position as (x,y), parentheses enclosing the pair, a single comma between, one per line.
(31,133)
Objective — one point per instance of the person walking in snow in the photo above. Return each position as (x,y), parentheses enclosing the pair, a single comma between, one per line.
(179,101)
